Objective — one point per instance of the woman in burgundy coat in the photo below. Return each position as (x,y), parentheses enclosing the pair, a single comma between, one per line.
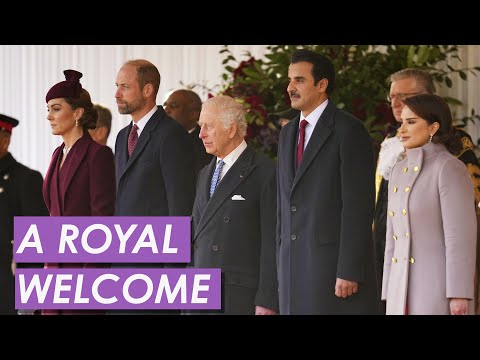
(81,177)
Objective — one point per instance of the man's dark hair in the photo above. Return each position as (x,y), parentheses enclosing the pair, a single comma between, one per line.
(322,67)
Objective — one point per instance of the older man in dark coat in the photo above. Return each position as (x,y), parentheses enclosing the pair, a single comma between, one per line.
(234,212)
(20,195)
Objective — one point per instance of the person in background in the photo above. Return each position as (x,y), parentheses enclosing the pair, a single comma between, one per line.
(153,154)
(282,118)
(326,198)
(20,195)
(234,212)
(429,265)
(184,106)
(80,180)
(104,125)
(406,83)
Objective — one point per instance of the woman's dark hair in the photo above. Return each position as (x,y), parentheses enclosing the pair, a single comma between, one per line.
(90,115)
(434,108)
(322,67)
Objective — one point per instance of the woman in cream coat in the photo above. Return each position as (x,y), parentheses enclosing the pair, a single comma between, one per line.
(431,228)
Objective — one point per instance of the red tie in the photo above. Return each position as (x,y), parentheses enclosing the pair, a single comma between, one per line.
(301,141)
(132,139)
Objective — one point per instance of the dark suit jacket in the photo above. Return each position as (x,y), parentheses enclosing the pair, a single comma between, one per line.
(202,158)
(90,177)
(158,179)
(20,195)
(325,211)
(238,236)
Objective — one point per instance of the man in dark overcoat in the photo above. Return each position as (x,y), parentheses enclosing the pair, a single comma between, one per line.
(20,195)
(234,212)
(325,198)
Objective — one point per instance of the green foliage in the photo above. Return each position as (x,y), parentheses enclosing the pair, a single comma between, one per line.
(361,82)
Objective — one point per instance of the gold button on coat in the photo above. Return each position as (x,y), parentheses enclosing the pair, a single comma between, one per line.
(394,237)
(404,211)
(407,235)
(395,189)
(394,260)
(412,260)
(405,169)
(416,168)
(390,213)
(407,189)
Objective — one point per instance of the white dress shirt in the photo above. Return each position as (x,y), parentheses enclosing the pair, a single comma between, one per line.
(143,121)
(312,120)
(230,159)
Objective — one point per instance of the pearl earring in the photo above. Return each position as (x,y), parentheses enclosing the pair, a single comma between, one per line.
(431,136)
(76,124)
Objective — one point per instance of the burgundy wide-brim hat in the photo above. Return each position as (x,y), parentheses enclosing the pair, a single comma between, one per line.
(7,123)
(70,88)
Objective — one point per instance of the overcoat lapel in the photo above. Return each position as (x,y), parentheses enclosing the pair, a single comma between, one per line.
(320,134)
(142,140)
(123,150)
(291,149)
(78,154)
(48,177)
(240,170)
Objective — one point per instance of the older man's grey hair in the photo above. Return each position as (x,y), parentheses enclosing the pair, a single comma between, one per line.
(230,111)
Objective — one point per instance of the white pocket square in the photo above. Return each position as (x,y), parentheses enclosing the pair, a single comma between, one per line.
(238,197)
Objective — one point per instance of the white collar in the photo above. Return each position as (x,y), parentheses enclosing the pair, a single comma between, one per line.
(143,121)
(313,117)
(234,155)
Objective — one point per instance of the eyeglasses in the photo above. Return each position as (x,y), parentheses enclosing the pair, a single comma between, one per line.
(401,97)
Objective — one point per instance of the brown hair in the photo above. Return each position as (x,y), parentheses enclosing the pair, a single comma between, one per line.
(434,108)
(104,117)
(89,117)
(146,73)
